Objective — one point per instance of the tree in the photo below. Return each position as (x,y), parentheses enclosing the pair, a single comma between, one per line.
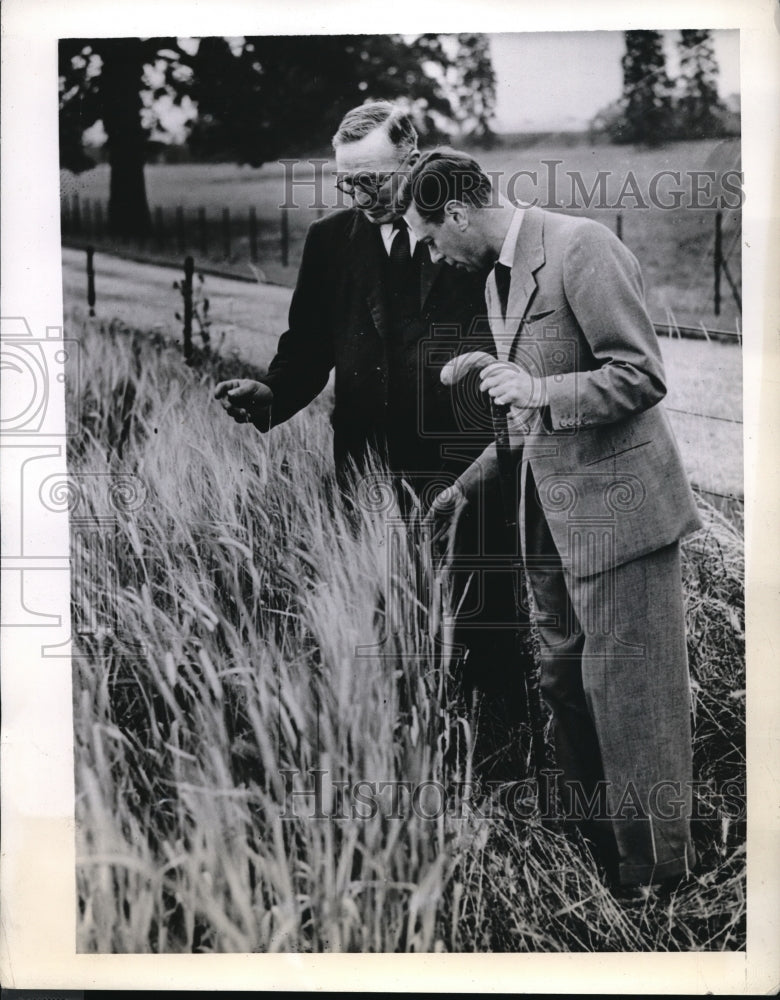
(647,91)
(470,82)
(650,111)
(275,95)
(257,96)
(105,80)
(700,112)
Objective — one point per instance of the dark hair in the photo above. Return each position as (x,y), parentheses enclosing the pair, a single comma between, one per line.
(445,175)
(361,121)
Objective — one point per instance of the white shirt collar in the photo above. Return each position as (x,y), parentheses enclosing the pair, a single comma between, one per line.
(388,232)
(507,255)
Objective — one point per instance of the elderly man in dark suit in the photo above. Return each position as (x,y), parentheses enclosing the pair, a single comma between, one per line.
(603,497)
(366,301)
(371,304)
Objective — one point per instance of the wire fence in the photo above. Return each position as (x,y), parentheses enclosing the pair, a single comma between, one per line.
(251,245)
(246,245)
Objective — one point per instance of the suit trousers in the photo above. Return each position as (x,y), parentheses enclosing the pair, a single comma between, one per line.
(614,672)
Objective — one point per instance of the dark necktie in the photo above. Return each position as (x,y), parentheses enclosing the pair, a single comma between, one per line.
(403,275)
(399,249)
(503,278)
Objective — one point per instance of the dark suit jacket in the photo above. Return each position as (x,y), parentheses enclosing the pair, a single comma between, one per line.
(339,319)
(605,462)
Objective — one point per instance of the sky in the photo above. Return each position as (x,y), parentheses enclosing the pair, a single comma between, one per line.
(545,81)
(559,80)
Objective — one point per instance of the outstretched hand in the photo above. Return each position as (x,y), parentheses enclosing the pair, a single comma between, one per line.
(245,400)
(442,516)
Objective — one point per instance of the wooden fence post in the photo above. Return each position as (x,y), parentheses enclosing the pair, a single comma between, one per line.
(203,232)
(718,258)
(91,280)
(189,269)
(285,238)
(253,234)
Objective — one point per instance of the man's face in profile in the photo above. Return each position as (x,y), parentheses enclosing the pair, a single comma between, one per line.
(370,171)
(457,244)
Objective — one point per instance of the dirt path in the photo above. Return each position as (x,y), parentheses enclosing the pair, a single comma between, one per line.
(142,295)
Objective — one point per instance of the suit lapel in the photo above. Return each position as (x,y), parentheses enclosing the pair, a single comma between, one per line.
(369,257)
(529,257)
(368,254)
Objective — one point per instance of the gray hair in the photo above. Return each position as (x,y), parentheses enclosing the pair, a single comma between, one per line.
(361,121)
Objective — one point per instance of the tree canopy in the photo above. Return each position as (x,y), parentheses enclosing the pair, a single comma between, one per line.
(647,89)
(258,97)
(106,80)
(653,108)
(698,103)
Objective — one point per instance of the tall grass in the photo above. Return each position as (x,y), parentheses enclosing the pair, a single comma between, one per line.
(246,633)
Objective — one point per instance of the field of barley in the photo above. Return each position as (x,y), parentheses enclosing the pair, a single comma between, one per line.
(246,633)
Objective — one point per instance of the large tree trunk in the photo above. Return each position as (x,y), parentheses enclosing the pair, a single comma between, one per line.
(128,209)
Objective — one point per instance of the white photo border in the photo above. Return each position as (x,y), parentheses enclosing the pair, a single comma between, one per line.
(37,949)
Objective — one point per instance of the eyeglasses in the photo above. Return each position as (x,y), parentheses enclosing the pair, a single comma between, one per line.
(370,182)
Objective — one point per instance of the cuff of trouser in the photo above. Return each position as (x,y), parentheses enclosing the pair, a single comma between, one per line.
(647,874)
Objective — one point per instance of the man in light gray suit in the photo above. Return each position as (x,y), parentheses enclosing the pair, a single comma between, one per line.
(604,501)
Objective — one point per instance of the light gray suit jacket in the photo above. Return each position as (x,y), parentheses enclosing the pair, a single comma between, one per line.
(605,462)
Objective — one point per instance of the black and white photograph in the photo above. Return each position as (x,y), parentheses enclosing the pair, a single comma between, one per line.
(391,453)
